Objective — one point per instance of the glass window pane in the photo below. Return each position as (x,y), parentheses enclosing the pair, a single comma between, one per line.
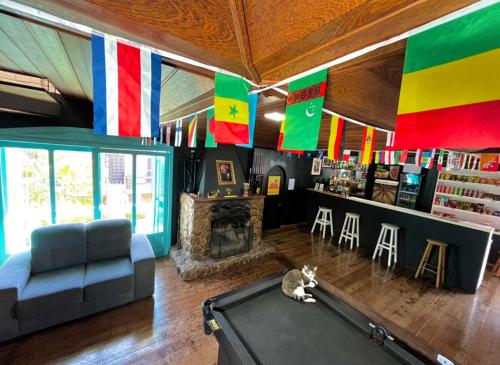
(74,189)
(150,194)
(27,197)
(116,185)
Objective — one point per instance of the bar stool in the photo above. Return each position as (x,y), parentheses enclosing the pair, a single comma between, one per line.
(391,245)
(324,218)
(350,229)
(424,265)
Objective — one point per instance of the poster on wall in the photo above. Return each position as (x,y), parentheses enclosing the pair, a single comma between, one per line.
(489,162)
(316,166)
(273,185)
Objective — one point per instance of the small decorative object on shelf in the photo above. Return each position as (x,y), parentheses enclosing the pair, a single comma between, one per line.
(246,187)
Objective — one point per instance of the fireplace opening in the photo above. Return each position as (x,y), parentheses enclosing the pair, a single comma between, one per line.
(232,232)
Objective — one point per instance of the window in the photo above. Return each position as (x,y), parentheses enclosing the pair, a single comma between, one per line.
(116,185)
(150,176)
(26,194)
(74,188)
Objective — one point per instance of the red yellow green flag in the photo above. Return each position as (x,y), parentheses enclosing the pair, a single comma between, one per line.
(280,141)
(210,131)
(367,146)
(336,138)
(304,107)
(450,91)
(231,109)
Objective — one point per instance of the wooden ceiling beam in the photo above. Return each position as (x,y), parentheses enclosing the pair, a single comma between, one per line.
(200,102)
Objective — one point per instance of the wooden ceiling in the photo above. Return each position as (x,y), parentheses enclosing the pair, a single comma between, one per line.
(265,41)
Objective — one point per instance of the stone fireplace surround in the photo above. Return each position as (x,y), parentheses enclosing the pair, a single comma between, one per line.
(195,222)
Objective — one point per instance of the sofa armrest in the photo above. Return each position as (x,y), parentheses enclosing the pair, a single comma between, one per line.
(143,259)
(14,275)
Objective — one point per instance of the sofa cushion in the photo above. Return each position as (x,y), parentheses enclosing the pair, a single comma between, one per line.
(59,245)
(51,291)
(108,277)
(108,239)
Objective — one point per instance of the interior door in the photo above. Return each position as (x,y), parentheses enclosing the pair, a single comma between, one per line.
(274,188)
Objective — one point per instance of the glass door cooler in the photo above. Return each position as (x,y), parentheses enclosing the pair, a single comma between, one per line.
(408,190)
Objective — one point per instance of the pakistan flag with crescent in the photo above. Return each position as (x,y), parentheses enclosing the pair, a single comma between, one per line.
(304,107)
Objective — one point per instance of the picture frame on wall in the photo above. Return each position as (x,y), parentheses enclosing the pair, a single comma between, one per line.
(316,166)
(225,172)
(326,162)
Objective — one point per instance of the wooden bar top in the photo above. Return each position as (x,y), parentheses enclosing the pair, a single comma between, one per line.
(204,199)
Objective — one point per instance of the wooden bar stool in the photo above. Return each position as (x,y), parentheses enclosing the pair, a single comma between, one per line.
(324,218)
(350,229)
(391,246)
(496,269)
(424,265)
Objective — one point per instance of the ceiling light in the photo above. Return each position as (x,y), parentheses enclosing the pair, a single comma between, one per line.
(278,117)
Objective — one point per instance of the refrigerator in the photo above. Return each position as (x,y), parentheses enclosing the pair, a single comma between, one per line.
(409,186)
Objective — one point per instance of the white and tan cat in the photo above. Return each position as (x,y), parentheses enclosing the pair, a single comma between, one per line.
(295,281)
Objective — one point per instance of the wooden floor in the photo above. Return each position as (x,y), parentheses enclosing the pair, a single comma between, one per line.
(167,329)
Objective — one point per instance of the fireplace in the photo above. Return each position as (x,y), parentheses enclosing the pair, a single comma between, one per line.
(217,234)
(232,232)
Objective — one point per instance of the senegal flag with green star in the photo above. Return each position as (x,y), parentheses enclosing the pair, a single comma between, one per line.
(304,107)
(231,109)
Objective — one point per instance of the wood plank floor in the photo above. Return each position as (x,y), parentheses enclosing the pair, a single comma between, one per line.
(167,329)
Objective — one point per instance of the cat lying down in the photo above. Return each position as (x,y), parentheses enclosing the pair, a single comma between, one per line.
(295,281)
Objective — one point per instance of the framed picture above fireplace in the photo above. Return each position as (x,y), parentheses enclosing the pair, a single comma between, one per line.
(225,172)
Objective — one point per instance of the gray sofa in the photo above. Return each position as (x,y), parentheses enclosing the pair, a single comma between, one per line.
(73,270)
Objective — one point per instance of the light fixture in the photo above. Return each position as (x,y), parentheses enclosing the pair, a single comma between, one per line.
(278,117)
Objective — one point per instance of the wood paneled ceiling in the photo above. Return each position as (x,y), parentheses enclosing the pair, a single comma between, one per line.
(265,41)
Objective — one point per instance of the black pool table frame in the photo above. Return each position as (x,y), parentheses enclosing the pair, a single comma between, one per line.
(233,351)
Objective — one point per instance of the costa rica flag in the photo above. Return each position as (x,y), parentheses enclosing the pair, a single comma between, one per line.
(127,83)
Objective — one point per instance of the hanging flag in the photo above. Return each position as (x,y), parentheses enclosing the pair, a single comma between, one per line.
(463,160)
(418,157)
(178,133)
(252,109)
(440,160)
(368,144)
(346,155)
(304,107)
(280,141)
(378,155)
(337,132)
(403,157)
(427,159)
(210,130)
(450,82)
(192,130)
(389,149)
(475,163)
(168,134)
(231,109)
(126,85)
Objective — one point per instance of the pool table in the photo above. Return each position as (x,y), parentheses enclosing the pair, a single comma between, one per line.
(258,324)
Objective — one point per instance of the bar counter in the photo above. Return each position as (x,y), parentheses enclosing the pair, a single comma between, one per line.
(468,243)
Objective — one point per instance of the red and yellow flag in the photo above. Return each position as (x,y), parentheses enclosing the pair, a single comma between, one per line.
(367,146)
(336,137)
(280,141)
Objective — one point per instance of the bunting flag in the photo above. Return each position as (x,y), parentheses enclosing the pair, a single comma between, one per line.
(397,157)
(280,141)
(489,162)
(475,163)
(126,85)
(231,109)
(304,107)
(418,157)
(440,160)
(403,157)
(192,130)
(337,131)
(427,159)
(210,130)
(379,157)
(450,91)
(178,133)
(389,149)
(463,160)
(368,144)
(168,134)
(252,110)
(346,155)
